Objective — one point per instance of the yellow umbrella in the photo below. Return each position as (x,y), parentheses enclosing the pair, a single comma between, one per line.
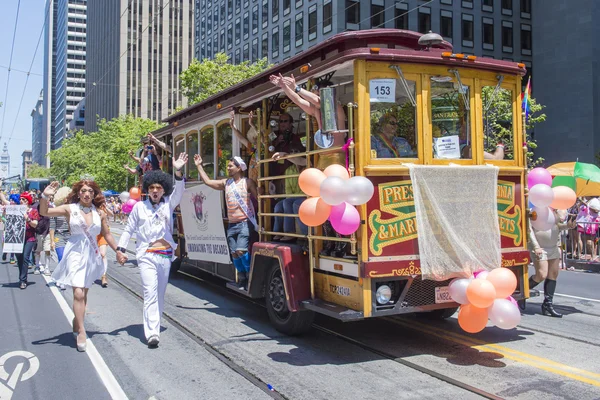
(585,187)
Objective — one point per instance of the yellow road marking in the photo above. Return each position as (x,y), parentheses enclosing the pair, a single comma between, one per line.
(544,364)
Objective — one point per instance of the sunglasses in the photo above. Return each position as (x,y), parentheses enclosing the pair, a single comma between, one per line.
(285,121)
(392,122)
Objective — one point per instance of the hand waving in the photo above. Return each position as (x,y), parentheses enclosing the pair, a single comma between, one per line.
(51,189)
(180,162)
(197,160)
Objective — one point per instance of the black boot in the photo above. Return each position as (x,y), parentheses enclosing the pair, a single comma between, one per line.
(328,245)
(532,284)
(242,280)
(547,306)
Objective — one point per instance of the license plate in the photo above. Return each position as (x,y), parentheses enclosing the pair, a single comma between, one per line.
(442,295)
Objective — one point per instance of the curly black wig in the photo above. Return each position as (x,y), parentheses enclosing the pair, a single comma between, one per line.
(158,177)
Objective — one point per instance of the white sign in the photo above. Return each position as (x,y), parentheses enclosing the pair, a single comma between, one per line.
(17,375)
(201,213)
(382,90)
(442,295)
(14,229)
(447,147)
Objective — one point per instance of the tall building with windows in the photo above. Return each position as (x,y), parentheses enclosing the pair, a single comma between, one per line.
(566,79)
(49,106)
(70,63)
(136,51)
(4,163)
(280,29)
(38,141)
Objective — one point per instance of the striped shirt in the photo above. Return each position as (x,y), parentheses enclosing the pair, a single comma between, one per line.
(60,227)
(234,211)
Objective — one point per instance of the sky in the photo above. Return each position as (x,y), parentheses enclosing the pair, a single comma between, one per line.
(15,123)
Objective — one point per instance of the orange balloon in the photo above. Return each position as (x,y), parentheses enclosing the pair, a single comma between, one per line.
(310,181)
(504,280)
(564,198)
(337,170)
(314,211)
(481,293)
(134,193)
(472,319)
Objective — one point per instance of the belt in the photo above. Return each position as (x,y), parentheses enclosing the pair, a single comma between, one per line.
(165,252)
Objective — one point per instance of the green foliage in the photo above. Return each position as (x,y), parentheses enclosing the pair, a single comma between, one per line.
(208,77)
(498,124)
(102,153)
(38,171)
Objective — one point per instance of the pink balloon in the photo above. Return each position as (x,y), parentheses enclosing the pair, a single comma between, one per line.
(481,274)
(128,206)
(344,218)
(539,176)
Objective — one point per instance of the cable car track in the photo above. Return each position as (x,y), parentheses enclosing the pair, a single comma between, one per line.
(256,381)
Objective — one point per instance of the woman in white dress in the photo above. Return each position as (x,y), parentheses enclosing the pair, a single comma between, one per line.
(81,264)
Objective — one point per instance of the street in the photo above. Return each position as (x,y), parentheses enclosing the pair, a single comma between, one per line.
(216,344)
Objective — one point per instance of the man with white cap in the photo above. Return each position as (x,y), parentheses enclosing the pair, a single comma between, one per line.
(240,212)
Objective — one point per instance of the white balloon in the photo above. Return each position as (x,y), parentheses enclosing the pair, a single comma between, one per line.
(124,196)
(504,314)
(458,290)
(334,190)
(541,195)
(483,275)
(545,219)
(360,190)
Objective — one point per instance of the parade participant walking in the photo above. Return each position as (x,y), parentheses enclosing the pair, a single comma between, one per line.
(544,246)
(152,222)
(81,264)
(240,212)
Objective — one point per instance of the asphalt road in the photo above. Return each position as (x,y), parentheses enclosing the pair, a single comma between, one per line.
(218,345)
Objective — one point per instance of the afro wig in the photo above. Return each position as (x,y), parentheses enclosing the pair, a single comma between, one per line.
(15,198)
(158,177)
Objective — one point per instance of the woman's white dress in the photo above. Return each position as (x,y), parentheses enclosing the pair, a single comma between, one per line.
(81,264)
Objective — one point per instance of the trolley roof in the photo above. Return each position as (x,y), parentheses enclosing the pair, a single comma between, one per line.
(392,45)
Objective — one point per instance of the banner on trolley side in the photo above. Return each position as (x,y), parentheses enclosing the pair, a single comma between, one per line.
(201,213)
(14,229)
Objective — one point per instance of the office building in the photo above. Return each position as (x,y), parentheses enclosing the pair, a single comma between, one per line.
(136,51)
(64,66)
(26,156)
(38,140)
(567,79)
(70,63)
(49,91)
(280,29)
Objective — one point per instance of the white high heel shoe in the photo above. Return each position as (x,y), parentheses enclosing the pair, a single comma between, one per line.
(82,346)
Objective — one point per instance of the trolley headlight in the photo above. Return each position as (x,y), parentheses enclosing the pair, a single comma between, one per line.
(383,294)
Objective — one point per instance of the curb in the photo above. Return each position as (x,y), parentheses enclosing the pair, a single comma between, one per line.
(581,265)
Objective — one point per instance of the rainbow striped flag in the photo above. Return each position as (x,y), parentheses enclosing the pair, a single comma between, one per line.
(527,99)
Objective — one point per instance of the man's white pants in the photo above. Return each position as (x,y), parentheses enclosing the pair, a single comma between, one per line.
(154,270)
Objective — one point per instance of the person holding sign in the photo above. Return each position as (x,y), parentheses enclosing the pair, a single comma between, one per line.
(240,212)
(386,143)
(152,222)
(32,218)
(82,263)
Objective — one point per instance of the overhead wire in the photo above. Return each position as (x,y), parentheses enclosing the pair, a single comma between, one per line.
(9,67)
(29,71)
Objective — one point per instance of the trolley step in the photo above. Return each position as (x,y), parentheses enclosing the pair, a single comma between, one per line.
(333,310)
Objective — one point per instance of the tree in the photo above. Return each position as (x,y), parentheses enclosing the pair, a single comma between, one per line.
(102,153)
(38,171)
(208,77)
(497,123)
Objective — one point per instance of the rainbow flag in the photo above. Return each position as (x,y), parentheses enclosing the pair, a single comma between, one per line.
(527,99)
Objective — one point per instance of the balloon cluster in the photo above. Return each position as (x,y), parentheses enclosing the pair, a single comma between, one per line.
(486,295)
(129,199)
(333,196)
(543,196)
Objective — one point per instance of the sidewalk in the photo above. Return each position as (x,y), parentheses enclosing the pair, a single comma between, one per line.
(583,265)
